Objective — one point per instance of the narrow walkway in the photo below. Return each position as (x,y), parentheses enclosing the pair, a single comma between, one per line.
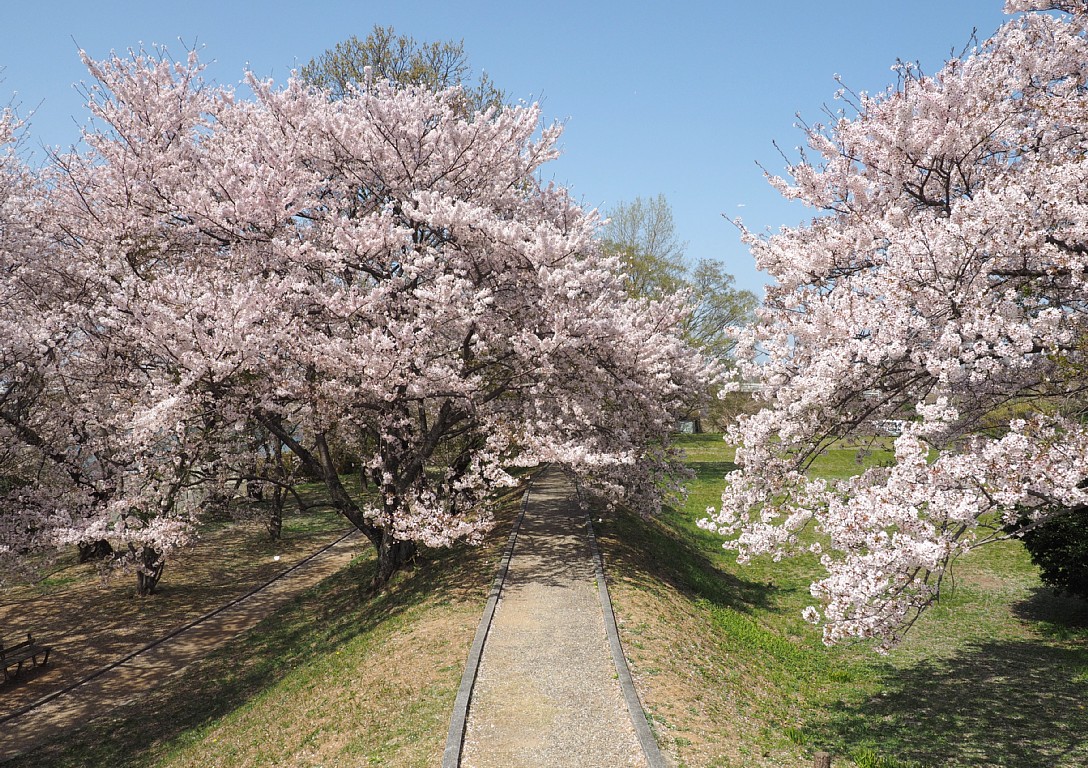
(546,693)
(151,667)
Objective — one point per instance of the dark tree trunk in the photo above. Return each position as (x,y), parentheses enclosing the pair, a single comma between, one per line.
(280,488)
(94,550)
(274,523)
(149,567)
(393,554)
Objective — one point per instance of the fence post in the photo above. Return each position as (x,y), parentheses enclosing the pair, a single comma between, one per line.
(821,760)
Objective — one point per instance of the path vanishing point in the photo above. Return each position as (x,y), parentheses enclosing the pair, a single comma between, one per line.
(545,684)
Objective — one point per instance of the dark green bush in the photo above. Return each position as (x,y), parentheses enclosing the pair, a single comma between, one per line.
(1060,548)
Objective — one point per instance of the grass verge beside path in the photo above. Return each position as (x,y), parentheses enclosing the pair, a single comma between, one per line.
(339,677)
(730,675)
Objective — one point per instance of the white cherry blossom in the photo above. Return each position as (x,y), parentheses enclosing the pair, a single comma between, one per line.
(944,283)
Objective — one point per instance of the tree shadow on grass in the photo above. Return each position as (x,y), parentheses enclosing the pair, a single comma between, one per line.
(1057,616)
(655,552)
(991,704)
(713,470)
(314,625)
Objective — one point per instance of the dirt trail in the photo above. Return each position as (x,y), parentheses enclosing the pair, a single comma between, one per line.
(546,691)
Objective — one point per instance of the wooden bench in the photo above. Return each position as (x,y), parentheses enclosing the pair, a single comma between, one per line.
(12,657)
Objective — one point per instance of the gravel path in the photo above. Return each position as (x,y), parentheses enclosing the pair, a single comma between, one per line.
(546,693)
(152,666)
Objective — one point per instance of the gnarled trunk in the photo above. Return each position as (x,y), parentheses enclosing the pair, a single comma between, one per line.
(150,564)
(393,554)
(274,522)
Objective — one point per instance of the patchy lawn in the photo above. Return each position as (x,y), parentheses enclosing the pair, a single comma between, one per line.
(338,677)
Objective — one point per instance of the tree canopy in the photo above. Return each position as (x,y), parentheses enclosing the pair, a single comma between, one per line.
(943,284)
(379,275)
(401,60)
(643,234)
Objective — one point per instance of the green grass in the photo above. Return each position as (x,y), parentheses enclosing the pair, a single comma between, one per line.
(994,675)
(706,447)
(847,460)
(340,676)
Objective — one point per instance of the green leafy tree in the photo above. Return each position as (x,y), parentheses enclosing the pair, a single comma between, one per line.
(643,233)
(1059,547)
(402,60)
(718,306)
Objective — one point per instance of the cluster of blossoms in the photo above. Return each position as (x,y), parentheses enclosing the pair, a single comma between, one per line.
(943,285)
(380,276)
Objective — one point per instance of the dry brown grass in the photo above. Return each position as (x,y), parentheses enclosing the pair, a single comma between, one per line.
(338,677)
(382,701)
(685,676)
(671,654)
(90,622)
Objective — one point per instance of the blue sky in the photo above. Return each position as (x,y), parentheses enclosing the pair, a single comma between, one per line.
(682,98)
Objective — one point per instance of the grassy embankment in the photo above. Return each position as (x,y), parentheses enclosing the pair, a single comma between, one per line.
(339,677)
(995,675)
(730,674)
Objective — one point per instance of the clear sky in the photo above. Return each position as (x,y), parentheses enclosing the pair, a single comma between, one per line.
(682,98)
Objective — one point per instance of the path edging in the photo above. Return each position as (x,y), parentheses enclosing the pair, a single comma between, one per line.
(646,739)
(455,739)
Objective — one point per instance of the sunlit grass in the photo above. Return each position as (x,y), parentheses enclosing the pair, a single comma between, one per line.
(733,675)
(340,676)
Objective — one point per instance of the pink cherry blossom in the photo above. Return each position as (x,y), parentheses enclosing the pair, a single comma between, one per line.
(380,277)
(943,283)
